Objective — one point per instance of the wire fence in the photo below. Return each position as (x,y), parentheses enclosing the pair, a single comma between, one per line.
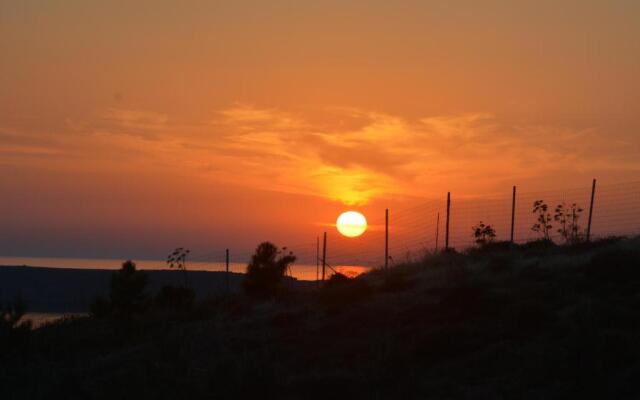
(419,229)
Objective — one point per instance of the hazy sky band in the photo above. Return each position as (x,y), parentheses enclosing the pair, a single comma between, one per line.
(148,125)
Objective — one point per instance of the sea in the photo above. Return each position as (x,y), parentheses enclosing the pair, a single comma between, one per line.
(299,271)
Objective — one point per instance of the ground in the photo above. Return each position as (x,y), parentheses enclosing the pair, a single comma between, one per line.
(530,321)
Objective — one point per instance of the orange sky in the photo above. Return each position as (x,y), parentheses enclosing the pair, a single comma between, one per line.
(129,129)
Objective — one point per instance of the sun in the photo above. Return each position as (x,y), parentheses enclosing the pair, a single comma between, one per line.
(351,224)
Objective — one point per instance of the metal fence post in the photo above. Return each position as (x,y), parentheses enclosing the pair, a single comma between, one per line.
(593,194)
(446,236)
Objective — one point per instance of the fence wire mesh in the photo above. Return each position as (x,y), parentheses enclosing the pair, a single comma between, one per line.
(420,229)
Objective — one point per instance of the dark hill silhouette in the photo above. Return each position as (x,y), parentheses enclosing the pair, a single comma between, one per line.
(534,321)
(61,290)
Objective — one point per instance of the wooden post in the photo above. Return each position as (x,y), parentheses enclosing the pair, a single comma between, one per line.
(324,254)
(227,268)
(593,194)
(513,212)
(317,260)
(386,238)
(437,230)
(446,235)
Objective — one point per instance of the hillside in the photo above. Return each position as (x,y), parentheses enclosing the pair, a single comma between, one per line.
(532,321)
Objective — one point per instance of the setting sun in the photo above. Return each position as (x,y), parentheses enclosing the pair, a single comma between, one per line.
(351,224)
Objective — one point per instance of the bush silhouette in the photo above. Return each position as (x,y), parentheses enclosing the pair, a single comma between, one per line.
(568,218)
(543,220)
(337,279)
(266,270)
(178,260)
(483,234)
(340,291)
(128,290)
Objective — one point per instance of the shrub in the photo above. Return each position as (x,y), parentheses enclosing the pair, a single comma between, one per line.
(483,233)
(178,260)
(341,291)
(543,220)
(568,220)
(266,270)
(336,279)
(128,290)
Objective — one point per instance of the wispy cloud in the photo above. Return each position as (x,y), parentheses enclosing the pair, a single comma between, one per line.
(387,155)
(346,155)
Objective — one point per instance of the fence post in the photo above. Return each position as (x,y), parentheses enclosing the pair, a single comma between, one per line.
(513,212)
(593,194)
(317,260)
(227,268)
(437,230)
(324,254)
(446,235)
(386,238)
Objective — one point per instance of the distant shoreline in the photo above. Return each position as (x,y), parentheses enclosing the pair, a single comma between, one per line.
(71,290)
(300,271)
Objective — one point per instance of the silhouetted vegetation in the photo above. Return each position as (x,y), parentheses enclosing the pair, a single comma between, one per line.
(267,269)
(529,321)
(483,233)
(543,220)
(178,260)
(127,295)
(340,292)
(568,218)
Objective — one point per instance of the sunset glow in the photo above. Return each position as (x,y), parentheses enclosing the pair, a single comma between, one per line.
(150,124)
(295,199)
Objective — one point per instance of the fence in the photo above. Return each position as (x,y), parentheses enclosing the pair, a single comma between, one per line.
(418,229)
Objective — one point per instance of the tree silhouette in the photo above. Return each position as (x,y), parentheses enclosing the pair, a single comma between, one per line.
(128,290)
(178,260)
(543,223)
(266,270)
(483,234)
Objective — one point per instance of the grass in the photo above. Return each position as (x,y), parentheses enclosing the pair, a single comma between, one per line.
(532,321)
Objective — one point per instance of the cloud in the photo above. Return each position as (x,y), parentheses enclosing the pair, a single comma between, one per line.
(135,119)
(346,155)
(386,155)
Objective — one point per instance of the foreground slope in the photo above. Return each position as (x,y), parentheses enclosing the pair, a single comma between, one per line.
(535,321)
